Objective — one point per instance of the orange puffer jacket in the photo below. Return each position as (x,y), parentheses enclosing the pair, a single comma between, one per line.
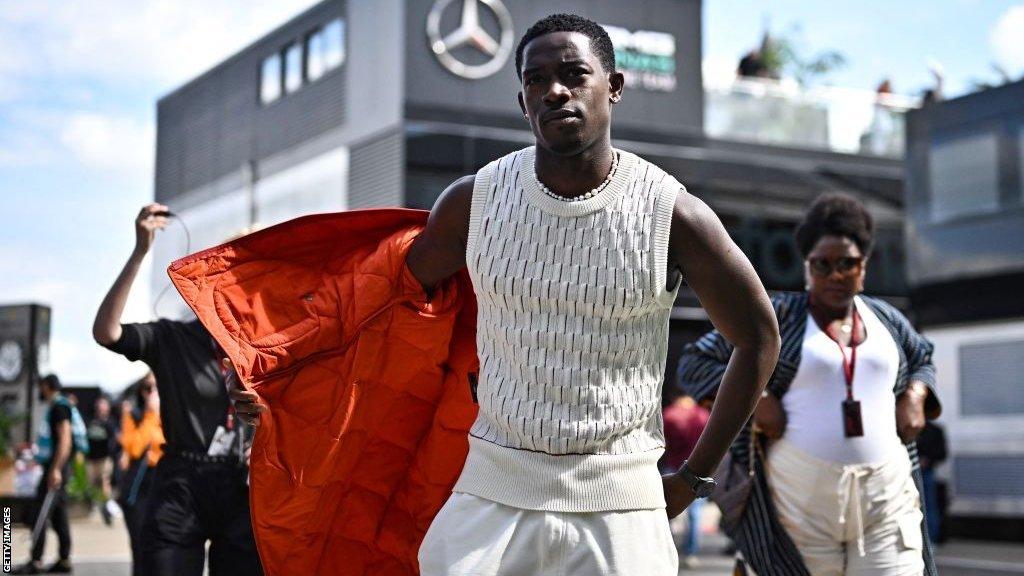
(368,385)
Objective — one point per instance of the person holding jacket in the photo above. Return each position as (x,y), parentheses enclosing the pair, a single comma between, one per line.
(837,486)
(200,493)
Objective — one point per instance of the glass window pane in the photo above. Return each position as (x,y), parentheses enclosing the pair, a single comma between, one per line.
(964,176)
(990,378)
(1020,166)
(315,55)
(292,67)
(270,79)
(334,43)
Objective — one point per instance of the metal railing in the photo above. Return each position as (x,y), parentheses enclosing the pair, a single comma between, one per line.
(783,113)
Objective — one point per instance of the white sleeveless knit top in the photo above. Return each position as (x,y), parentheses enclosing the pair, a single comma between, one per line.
(572,334)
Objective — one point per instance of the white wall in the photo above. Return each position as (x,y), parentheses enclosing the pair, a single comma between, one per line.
(976,435)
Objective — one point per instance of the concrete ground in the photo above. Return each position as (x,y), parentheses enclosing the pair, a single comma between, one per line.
(101,550)
(955,558)
(97,549)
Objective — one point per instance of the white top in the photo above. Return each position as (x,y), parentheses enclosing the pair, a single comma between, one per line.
(572,335)
(813,403)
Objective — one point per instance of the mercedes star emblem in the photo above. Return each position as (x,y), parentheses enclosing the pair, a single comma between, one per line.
(10,361)
(472,34)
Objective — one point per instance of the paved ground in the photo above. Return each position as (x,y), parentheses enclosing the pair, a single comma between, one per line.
(100,550)
(969,558)
(957,558)
(97,549)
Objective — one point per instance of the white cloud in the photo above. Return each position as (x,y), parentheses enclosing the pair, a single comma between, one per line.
(73,297)
(719,70)
(55,55)
(1007,40)
(110,143)
(79,80)
(102,144)
(109,370)
(29,148)
(161,41)
(70,67)
(10,91)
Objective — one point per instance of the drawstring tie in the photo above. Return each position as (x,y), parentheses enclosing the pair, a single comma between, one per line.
(848,491)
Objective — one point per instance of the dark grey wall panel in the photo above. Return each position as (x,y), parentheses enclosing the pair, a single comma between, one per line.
(965,187)
(991,378)
(376,172)
(989,476)
(431,85)
(215,124)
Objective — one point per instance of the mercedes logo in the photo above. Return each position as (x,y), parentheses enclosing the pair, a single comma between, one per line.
(471,34)
(10,361)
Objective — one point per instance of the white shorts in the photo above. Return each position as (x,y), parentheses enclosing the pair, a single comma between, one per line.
(853,520)
(475,537)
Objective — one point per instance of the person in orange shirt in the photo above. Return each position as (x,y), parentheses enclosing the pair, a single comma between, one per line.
(142,439)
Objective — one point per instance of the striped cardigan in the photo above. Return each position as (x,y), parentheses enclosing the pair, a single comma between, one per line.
(765,545)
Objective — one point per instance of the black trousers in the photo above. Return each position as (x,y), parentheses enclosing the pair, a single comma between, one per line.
(133,494)
(58,517)
(189,504)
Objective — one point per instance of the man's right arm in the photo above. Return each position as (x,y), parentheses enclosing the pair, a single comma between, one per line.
(440,250)
(106,328)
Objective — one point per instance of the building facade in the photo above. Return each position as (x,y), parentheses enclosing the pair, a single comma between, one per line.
(358,104)
(24,359)
(965,238)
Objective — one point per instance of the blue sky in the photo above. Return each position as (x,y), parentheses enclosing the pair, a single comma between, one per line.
(81,79)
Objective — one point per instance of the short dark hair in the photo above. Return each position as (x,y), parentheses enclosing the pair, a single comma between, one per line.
(600,42)
(835,214)
(52,381)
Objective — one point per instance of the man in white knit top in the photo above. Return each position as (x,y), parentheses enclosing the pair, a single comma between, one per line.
(576,251)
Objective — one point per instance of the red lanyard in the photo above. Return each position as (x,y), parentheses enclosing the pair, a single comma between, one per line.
(849,363)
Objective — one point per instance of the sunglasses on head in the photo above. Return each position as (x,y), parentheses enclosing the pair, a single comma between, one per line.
(847,265)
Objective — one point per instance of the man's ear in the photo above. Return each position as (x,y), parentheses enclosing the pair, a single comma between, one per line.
(522,103)
(616,82)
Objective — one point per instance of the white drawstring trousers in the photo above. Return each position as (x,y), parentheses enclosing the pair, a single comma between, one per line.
(852,519)
(472,536)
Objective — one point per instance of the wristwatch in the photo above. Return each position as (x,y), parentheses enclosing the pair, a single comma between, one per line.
(702,487)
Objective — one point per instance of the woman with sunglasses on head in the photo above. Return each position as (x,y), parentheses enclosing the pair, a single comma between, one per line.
(836,486)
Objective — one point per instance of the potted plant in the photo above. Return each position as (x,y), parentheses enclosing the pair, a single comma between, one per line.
(82,495)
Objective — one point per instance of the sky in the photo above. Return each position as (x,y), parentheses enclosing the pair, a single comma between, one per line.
(80,81)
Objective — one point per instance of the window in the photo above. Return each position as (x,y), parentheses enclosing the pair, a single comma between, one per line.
(964,176)
(303,61)
(334,43)
(990,378)
(1020,167)
(292,67)
(270,79)
(315,48)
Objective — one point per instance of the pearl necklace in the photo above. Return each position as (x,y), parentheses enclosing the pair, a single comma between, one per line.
(581,197)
